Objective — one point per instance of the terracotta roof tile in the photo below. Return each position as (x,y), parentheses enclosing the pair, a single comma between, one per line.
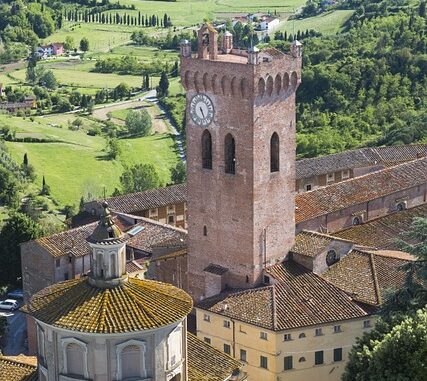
(300,298)
(310,244)
(154,198)
(359,158)
(341,195)
(135,305)
(15,369)
(205,363)
(382,233)
(367,276)
(73,241)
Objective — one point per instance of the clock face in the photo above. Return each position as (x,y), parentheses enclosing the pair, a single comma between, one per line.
(201,110)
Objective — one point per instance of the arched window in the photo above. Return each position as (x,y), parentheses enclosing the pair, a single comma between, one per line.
(206,150)
(301,335)
(274,153)
(356,220)
(131,360)
(75,360)
(131,364)
(205,230)
(301,359)
(230,154)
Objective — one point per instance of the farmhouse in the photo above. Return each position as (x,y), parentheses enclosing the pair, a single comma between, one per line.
(54,49)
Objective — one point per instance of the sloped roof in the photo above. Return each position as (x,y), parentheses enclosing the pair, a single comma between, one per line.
(17,369)
(383,232)
(73,241)
(358,158)
(135,305)
(300,298)
(310,243)
(154,198)
(205,363)
(367,276)
(358,190)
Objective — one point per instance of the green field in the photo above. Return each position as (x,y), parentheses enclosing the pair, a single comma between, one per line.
(78,166)
(190,12)
(326,23)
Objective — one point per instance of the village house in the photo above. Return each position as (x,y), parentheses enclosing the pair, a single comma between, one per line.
(53,49)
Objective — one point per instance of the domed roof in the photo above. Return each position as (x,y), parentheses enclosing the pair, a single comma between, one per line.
(107,232)
(135,305)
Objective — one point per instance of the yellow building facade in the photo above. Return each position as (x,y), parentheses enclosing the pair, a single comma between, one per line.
(291,354)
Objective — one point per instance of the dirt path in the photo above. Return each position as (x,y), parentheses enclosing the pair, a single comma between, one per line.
(147,102)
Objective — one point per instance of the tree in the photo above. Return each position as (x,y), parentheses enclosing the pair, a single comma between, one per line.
(179,173)
(113,148)
(122,90)
(175,71)
(139,178)
(9,188)
(69,43)
(138,122)
(45,188)
(25,161)
(413,294)
(84,44)
(31,70)
(48,80)
(163,88)
(69,211)
(19,228)
(391,351)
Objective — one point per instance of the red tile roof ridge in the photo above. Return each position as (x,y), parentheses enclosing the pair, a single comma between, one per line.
(395,254)
(325,235)
(152,222)
(308,203)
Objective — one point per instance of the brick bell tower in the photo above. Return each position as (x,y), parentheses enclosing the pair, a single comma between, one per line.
(240,158)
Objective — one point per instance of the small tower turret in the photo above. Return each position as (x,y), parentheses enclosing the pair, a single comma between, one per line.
(108,259)
(253,55)
(296,49)
(208,42)
(226,42)
(185,48)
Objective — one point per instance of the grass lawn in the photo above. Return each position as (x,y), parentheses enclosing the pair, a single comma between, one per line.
(78,75)
(77,166)
(101,37)
(326,23)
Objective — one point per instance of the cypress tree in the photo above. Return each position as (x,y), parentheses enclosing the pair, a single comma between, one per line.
(142,20)
(128,20)
(157,21)
(165,20)
(25,162)
(146,20)
(139,17)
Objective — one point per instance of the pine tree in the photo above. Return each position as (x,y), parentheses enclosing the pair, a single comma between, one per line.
(175,69)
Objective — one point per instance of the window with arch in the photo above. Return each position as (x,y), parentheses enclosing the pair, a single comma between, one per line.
(301,359)
(230,154)
(131,360)
(274,153)
(301,335)
(206,150)
(75,358)
(357,220)
(205,231)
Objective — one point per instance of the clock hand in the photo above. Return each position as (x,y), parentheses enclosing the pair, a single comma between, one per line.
(201,110)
